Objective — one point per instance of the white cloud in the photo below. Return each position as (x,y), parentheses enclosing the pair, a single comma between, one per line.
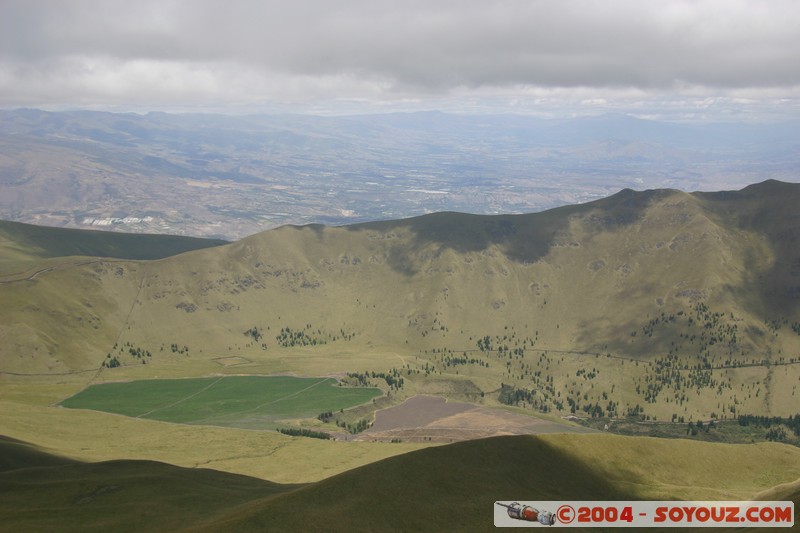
(191,52)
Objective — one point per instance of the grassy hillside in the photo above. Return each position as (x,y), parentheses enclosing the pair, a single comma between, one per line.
(95,436)
(768,210)
(449,488)
(656,304)
(82,309)
(645,306)
(17,454)
(453,488)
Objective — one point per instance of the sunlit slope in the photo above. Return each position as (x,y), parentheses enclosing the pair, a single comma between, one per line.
(706,278)
(65,320)
(66,292)
(583,276)
(437,489)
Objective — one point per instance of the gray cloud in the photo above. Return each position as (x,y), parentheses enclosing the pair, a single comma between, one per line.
(244,51)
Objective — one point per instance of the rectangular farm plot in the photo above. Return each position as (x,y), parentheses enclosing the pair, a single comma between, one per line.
(238,401)
(134,398)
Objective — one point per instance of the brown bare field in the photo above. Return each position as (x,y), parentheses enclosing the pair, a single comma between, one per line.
(435,419)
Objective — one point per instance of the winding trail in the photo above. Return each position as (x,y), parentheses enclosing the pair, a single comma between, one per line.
(9,278)
(124,323)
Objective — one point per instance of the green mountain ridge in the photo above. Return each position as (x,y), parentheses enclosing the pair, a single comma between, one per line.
(38,242)
(684,283)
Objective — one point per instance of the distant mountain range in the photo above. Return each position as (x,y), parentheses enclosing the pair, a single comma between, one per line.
(232,176)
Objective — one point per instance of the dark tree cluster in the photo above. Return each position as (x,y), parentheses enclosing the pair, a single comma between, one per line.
(298,432)
(290,338)
(776,434)
(694,428)
(111,362)
(454,360)
(179,350)
(254,333)
(792,422)
(358,427)
(308,336)
(510,395)
(139,354)
(393,379)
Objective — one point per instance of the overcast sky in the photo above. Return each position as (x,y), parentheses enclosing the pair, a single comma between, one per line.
(722,59)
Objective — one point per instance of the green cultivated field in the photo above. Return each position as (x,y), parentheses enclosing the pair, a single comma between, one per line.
(236,401)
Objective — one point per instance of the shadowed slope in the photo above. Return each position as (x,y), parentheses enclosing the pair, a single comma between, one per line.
(770,210)
(40,492)
(45,242)
(447,488)
(16,454)
(453,488)
(522,238)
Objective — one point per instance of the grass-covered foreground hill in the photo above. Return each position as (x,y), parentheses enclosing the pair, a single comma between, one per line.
(449,488)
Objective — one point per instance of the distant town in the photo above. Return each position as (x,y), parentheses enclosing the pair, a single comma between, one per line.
(114,221)
(229,177)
